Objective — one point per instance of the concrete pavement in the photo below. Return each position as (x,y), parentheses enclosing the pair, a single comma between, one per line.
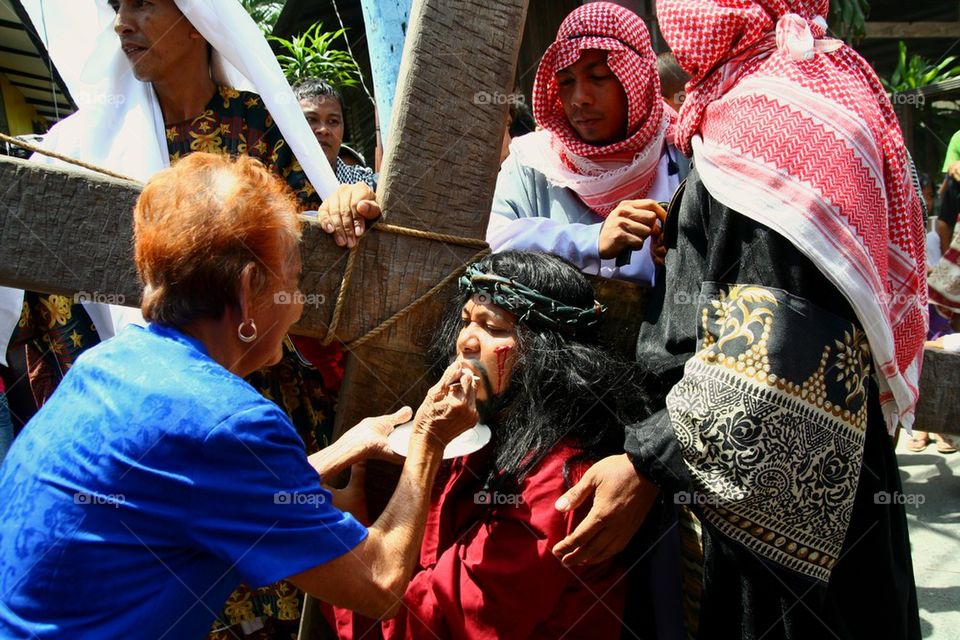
(934,522)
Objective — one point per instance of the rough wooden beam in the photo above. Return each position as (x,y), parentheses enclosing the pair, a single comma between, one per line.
(908,30)
(938,410)
(439,175)
(65,231)
(69,231)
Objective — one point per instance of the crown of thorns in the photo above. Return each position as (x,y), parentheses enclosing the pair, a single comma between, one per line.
(529,305)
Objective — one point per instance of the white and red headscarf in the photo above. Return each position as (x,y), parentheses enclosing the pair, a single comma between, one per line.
(794,130)
(601,176)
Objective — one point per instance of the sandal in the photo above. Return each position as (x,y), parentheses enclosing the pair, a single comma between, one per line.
(918,442)
(944,445)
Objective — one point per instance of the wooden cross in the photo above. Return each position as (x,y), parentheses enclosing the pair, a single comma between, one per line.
(65,231)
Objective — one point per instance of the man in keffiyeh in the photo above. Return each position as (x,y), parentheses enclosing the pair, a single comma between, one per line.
(575,187)
(788,333)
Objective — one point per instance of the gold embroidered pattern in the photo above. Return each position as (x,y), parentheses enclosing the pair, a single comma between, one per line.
(771,434)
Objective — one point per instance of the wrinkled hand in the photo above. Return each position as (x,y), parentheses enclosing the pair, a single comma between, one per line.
(450,407)
(345,213)
(627,226)
(370,435)
(622,497)
(954,170)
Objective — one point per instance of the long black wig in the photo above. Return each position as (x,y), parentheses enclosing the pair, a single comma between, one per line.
(564,388)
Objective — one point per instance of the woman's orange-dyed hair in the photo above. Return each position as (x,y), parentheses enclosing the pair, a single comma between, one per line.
(198,223)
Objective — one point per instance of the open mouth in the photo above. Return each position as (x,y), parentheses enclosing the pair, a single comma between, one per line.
(132,50)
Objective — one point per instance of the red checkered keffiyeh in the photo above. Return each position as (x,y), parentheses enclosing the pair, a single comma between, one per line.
(795,131)
(601,176)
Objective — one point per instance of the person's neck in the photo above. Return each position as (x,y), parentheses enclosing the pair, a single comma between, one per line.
(217,338)
(186,96)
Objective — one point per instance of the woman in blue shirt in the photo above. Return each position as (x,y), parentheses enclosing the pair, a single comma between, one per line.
(175,479)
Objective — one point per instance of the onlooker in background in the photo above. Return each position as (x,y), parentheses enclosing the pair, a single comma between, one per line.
(322,104)
(586,186)
(949,194)
(673,79)
(519,123)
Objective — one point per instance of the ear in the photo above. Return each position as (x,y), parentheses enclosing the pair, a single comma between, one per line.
(245,293)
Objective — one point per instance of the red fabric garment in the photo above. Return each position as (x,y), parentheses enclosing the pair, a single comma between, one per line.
(795,131)
(625,169)
(490,573)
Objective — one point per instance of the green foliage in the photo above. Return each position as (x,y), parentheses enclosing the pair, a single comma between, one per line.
(916,71)
(934,122)
(264,13)
(848,18)
(312,54)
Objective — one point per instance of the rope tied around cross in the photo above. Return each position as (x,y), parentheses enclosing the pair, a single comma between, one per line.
(347,279)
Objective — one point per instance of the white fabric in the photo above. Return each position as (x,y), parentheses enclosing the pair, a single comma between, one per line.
(535,150)
(531,212)
(119,116)
(11,302)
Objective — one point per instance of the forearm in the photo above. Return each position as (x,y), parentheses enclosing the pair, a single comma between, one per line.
(397,534)
(946,235)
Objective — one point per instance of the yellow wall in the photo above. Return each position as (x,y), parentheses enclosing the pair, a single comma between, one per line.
(20,114)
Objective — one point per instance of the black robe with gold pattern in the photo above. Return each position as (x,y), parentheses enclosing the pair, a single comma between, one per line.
(772,434)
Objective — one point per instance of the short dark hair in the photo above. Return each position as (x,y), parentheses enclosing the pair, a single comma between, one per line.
(564,388)
(316,88)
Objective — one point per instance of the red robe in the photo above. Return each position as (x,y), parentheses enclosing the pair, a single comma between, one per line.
(488,571)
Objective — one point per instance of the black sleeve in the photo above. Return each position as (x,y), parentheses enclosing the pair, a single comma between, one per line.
(707,242)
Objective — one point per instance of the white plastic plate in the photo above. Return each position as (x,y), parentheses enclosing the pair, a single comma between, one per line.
(471,440)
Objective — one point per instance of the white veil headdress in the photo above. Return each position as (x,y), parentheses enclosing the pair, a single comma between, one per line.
(119,125)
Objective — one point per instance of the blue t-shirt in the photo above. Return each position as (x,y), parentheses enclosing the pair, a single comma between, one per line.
(146,489)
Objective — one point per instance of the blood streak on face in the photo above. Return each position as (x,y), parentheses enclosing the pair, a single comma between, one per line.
(502,353)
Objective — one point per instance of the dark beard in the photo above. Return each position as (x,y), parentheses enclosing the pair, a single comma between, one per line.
(493,411)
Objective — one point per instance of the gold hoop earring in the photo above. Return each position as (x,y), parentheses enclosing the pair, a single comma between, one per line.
(249,338)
